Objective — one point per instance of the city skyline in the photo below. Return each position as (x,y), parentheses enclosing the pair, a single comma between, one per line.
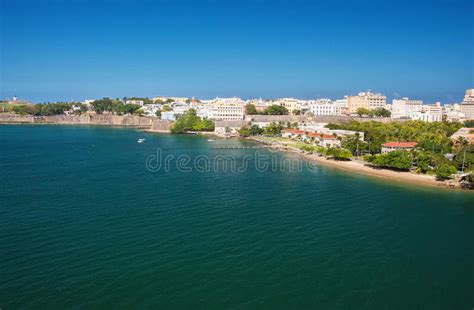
(78,50)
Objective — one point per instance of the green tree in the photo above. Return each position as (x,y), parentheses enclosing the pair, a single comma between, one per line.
(399,160)
(190,121)
(363,111)
(464,158)
(307,148)
(82,109)
(102,105)
(19,109)
(276,110)
(381,112)
(423,161)
(444,171)
(244,132)
(469,123)
(463,143)
(339,153)
(432,137)
(204,125)
(273,129)
(354,144)
(254,130)
(250,109)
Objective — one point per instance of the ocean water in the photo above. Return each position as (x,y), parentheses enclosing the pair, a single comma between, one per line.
(89,218)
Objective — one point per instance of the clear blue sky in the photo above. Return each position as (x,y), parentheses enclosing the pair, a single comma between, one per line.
(63,50)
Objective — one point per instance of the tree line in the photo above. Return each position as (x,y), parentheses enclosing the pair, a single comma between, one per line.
(191,122)
(250,109)
(48,109)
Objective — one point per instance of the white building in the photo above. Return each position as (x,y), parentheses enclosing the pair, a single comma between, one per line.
(406,107)
(227,109)
(324,106)
(228,128)
(430,113)
(137,102)
(202,111)
(88,102)
(342,102)
(151,109)
(180,108)
(169,116)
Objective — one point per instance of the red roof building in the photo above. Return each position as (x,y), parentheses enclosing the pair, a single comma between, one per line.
(397,146)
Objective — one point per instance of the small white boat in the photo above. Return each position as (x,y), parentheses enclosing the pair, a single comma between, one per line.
(141,140)
(211,140)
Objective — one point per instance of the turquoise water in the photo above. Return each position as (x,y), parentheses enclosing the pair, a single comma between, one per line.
(85,224)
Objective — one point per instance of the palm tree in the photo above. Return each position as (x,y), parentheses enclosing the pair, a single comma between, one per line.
(462,142)
(357,136)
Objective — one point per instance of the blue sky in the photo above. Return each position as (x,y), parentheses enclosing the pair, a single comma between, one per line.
(64,50)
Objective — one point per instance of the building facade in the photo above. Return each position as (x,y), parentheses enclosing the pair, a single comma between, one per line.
(227,109)
(325,107)
(397,146)
(405,107)
(430,113)
(467,106)
(366,100)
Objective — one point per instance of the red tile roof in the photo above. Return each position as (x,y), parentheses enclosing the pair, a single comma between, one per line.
(328,137)
(400,144)
(295,131)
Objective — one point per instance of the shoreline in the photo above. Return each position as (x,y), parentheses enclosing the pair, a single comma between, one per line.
(363,169)
(352,165)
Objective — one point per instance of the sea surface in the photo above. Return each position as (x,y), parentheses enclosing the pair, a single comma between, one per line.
(89,218)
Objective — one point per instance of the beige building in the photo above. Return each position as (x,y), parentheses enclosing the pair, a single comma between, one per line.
(366,100)
(174,99)
(467,106)
(291,104)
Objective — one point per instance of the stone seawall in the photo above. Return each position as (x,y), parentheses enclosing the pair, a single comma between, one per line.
(141,122)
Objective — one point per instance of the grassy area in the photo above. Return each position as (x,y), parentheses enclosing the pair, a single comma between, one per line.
(281,140)
(7,107)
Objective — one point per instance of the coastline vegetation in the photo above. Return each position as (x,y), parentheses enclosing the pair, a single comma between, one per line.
(435,153)
(48,109)
(191,122)
(115,106)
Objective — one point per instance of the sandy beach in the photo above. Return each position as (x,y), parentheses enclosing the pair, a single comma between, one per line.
(362,167)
